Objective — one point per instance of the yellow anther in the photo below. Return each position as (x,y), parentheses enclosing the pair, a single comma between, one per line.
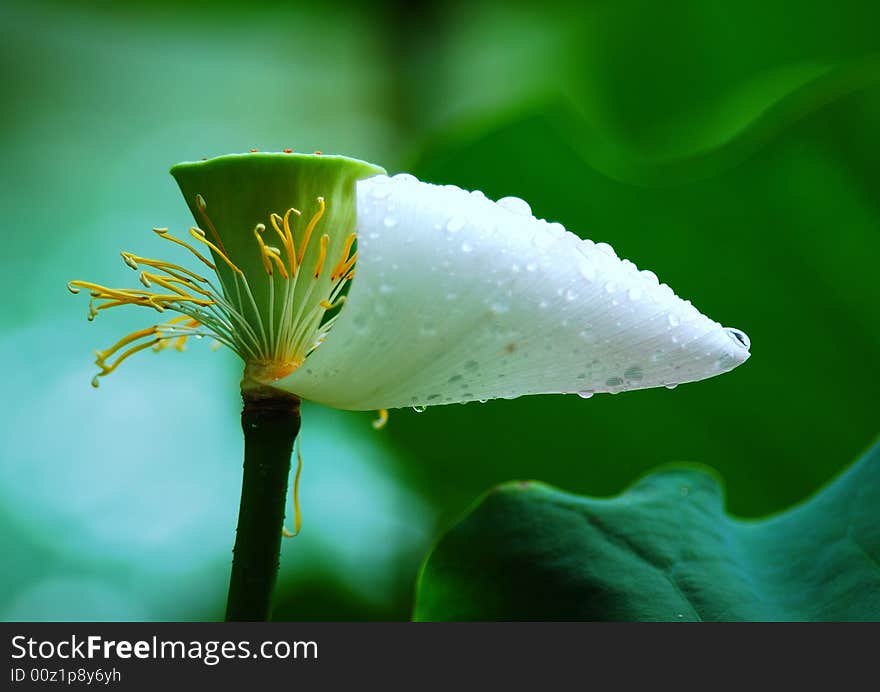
(128,258)
(200,236)
(339,269)
(274,255)
(322,255)
(382,420)
(307,234)
(327,305)
(347,267)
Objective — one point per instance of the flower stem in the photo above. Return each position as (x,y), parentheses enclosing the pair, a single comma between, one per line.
(270,420)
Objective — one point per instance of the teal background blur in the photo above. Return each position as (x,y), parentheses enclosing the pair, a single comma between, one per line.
(731,147)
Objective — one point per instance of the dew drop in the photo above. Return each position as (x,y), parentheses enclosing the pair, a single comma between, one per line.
(607,249)
(482,401)
(671,386)
(673,319)
(610,287)
(390,221)
(542,240)
(531,266)
(385,289)
(515,205)
(381,191)
(418,409)
(586,393)
(404,178)
(360,322)
(585,267)
(650,276)
(467,247)
(455,224)
(634,293)
(570,295)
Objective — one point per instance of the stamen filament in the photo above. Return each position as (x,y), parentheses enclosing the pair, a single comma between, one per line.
(304,243)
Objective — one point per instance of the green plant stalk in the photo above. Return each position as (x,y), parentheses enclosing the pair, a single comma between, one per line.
(270,421)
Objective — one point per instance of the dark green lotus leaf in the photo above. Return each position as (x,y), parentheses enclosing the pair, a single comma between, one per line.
(665,549)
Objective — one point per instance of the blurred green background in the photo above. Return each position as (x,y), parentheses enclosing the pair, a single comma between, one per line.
(732,148)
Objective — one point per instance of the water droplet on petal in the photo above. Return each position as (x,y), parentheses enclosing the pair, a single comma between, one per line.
(671,386)
(381,191)
(570,295)
(607,249)
(404,178)
(650,276)
(542,239)
(390,221)
(531,266)
(611,287)
(634,293)
(455,224)
(673,319)
(467,247)
(586,394)
(515,205)
(418,409)
(585,267)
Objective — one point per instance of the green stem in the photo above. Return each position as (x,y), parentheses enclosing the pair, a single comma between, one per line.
(270,421)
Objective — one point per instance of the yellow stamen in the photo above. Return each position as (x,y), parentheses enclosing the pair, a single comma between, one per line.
(327,305)
(202,207)
(170,284)
(347,266)
(199,235)
(308,232)
(339,270)
(297,516)
(322,255)
(169,268)
(267,265)
(275,255)
(102,356)
(163,233)
(382,420)
(286,236)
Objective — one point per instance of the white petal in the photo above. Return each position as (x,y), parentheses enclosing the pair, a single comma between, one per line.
(458,298)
